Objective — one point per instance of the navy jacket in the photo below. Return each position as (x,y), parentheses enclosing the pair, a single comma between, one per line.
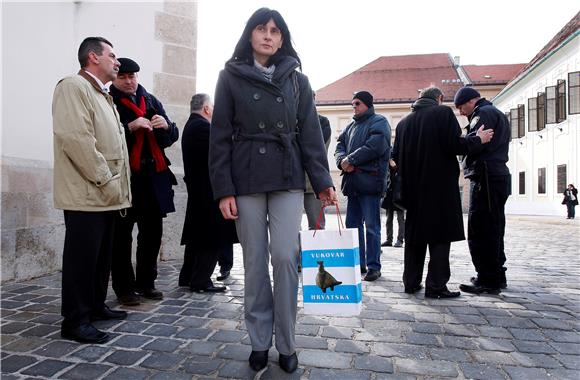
(492,156)
(264,134)
(152,191)
(367,144)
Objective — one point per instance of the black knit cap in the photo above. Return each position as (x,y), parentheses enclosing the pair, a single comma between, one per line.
(464,95)
(365,97)
(128,66)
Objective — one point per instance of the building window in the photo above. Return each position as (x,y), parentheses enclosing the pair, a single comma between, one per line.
(561,101)
(574,92)
(561,173)
(514,122)
(542,181)
(532,114)
(541,110)
(521,120)
(522,183)
(551,105)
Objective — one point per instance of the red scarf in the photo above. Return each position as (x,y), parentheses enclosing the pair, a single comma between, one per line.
(135,158)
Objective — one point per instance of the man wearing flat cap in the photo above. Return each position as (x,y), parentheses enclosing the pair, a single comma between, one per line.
(362,154)
(490,187)
(148,131)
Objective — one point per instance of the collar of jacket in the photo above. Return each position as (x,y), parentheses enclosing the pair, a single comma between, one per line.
(424,103)
(91,80)
(480,103)
(283,69)
(368,113)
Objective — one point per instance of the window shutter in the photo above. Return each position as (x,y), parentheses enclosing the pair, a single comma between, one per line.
(514,122)
(521,120)
(561,101)
(522,184)
(561,175)
(541,110)
(542,181)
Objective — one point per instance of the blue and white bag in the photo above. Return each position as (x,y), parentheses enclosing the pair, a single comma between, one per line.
(331,281)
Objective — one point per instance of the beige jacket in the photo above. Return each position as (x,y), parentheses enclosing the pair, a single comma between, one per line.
(91,163)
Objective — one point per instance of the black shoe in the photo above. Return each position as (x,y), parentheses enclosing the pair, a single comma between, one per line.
(478,289)
(387,244)
(258,360)
(129,299)
(288,363)
(85,333)
(151,294)
(210,289)
(442,294)
(413,289)
(372,275)
(223,275)
(398,244)
(106,314)
(363,269)
(475,281)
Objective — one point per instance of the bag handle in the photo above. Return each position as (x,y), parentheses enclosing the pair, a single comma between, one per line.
(340,222)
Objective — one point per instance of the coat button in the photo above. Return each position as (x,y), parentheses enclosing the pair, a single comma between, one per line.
(257,96)
(279,99)
(262,150)
(261,125)
(279,124)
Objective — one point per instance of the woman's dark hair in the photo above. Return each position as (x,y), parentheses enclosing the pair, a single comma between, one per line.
(243,51)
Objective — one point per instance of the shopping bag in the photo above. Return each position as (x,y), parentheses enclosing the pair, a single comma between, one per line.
(331,281)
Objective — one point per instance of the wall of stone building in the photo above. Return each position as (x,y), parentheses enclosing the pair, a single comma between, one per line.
(161,36)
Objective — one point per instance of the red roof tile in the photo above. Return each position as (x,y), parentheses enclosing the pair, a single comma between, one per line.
(492,74)
(395,79)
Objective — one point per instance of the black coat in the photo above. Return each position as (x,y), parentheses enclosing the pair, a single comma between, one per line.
(492,156)
(204,224)
(265,134)
(147,186)
(426,145)
(366,142)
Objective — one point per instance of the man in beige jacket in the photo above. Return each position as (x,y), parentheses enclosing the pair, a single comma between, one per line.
(91,185)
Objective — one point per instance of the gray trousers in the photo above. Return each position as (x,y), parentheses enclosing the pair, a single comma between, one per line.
(268,225)
(312,206)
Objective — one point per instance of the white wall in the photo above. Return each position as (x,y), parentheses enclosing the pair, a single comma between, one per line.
(39,47)
(558,145)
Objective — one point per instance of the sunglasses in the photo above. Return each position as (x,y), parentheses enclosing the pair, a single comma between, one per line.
(356,104)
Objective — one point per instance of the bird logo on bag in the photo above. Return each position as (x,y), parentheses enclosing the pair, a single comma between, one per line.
(325,280)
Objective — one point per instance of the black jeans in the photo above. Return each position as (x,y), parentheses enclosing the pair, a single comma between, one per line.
(438,271)
(198,265)
(486,228)
(150,226)
(86,264)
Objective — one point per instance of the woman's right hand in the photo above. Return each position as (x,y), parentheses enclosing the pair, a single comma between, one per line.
(228,207)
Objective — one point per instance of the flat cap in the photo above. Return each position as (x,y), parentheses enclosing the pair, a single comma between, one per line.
(128,66)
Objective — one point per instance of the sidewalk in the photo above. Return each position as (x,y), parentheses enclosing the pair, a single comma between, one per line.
(531,331)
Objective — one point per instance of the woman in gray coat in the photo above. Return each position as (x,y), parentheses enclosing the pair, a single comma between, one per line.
(265,134)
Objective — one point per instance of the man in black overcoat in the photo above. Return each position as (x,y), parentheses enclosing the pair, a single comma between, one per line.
(206,234)
(426,145)
(148,131)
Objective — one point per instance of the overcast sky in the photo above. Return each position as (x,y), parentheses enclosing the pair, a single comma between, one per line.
(335,37)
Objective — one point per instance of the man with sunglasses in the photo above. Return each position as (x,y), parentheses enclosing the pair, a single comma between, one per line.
(362,154)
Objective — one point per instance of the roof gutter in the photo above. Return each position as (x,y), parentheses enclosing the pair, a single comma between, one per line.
(538,64)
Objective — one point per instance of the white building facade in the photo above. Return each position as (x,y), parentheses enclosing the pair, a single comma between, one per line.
(543,105)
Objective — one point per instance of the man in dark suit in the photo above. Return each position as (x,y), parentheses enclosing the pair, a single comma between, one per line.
(206,234)
(426,146)
(149,131)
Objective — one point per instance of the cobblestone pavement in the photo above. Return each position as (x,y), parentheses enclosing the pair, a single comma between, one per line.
(531,331)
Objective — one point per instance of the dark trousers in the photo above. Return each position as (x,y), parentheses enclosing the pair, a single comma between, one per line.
(86,264)
(226,258)
(400,224)
(486,228)
(571,211)
(438,271)
(198,266)
(150,226)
